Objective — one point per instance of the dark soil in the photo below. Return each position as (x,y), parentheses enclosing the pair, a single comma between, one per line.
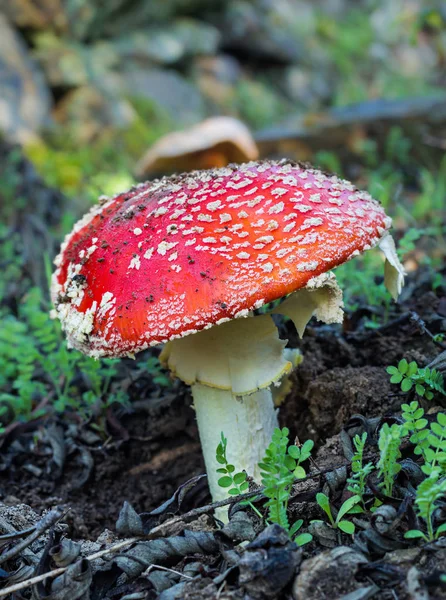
(151,451)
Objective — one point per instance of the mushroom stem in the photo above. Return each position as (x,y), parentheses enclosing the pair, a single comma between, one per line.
(247,422)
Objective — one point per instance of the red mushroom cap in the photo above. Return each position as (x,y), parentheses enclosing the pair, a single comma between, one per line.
(175,256)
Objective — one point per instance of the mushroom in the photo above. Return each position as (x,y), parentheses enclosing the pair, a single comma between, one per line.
(214,142)
(185,261)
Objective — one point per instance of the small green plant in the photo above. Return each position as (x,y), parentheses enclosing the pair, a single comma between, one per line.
(407,243)
(415,426)
(426,381)
(277,462)
(360,472)
(280,468)
(389,442)
(158,375)
(348,507)
(430,442)
(35,363)
(428,493)
(236,482)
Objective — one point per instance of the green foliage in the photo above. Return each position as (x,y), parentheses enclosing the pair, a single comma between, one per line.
(348,507)
(11,261)
(280,468)
(407,243)
(429,492)
(358,280)
(429,204)
(35,364)
(257,103)
(358,480)
(426,381)
(430,442)
(236,482)
(158,375)
(389,442)
(415,425)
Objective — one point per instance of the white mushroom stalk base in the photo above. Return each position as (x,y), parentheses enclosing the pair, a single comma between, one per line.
(247,422)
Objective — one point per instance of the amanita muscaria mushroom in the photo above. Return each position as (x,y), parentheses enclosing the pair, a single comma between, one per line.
(186,260)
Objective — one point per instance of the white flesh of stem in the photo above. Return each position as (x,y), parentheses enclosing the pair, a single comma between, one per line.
(247,422)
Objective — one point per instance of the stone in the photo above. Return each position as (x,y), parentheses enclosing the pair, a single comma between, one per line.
(169,44)
(25,100)
(216,77)
(330,574)
(91,113)
(271,30)
(168,89)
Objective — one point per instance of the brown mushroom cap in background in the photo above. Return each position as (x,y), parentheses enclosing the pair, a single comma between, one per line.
(215,142)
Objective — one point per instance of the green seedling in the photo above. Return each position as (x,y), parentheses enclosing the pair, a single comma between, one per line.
(280,468)
(236,483)
(301,539)
(430,442)
(389,442)
(425,381)
(358,481)
(428,493)
(348,507)
(35,363)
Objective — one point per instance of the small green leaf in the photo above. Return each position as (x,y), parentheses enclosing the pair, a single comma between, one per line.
(396,378)
(412,369)
(225,482)
(299,472)
(406,385)
(323,502)
(392,371)
(347,505)
(413,534)
(441,418)
(403,366)
(303,538)
(435,442)
(295,527)
(420,389)
(347,527)
(307,447)
(239,478)
(289,462)
(294,452)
